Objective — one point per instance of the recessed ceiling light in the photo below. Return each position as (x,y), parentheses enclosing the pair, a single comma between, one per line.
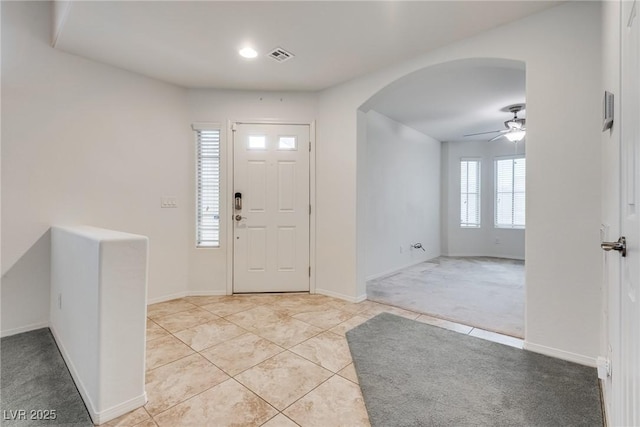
(248,52)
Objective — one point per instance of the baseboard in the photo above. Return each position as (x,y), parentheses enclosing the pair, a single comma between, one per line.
(22,329)
(395,270)
(338,295)
(108,414)
(74,374)
(167,297)
(484,255)
(121,409)
(206,293)
(604,398)
(561,354)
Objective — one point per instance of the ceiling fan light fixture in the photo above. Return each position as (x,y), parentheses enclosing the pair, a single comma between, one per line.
(514,124)
(515,135)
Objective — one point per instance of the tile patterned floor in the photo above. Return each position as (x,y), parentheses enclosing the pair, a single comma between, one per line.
(259,360)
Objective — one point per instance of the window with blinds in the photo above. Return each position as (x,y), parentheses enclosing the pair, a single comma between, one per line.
(469,193)
(208,188)
(510,192)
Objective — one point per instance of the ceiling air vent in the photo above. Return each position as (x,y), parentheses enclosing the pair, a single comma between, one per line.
(280,55)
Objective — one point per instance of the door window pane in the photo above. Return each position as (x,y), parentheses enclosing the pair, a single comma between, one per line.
(287,143)
(257,142)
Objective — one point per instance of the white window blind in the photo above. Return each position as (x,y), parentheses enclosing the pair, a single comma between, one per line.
(510,193)
(469,193)
(208,188)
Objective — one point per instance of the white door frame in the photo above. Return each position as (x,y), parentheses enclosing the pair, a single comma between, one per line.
(312,195)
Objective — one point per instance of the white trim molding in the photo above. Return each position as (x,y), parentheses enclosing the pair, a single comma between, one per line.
(27,328)
(228,174)
(560,354)
(108,414)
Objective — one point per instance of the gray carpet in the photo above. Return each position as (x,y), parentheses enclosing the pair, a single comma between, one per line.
(483,292)
(35,378)
(414,374)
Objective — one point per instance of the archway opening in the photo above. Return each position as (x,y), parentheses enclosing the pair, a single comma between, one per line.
(442,193)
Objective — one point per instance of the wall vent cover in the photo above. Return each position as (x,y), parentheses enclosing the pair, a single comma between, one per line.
(280,55)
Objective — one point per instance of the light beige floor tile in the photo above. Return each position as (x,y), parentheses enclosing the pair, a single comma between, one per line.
(349,372)
(279,421)
(283,379)
(255,318)
(207,299)
(313,297)
(185,319)
(209,334)
(175,382)
(130,419)
(231,306)
(155,331)
(241,353)
(168,307)
(377,308)
(349,306)
(452,326)
(336,402)
(165,350)
(328,350)
(343,327)
(261,299)
(291,307)
(274,326)
(287,332)
(499,338)
(324,316)
(147,423)
(303,296)
(227,404)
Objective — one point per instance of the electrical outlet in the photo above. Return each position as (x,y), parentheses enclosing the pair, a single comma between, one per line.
(168,202)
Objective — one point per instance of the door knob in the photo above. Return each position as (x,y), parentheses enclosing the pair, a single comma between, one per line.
(620,246)
(240,217)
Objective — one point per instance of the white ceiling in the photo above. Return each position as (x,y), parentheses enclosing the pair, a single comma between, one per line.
(451,100)
(195,45)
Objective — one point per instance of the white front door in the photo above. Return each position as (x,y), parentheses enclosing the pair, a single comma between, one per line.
(627,375)
(271,212)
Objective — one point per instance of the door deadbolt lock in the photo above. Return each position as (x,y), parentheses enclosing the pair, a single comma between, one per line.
(620,246)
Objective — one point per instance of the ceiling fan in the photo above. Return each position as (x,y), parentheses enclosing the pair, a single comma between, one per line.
(515,127)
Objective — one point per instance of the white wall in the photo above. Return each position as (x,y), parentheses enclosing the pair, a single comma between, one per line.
(84,143)
(403,195)
(486,240)
(561,49)
(208,266)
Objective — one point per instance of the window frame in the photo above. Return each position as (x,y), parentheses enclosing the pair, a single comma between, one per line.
(512,225)
(478,161)
(200,241)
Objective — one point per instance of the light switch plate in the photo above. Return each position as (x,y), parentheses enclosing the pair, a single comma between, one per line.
(168,202)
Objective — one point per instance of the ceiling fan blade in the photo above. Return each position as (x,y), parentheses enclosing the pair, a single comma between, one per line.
(482,133)
(498,136)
